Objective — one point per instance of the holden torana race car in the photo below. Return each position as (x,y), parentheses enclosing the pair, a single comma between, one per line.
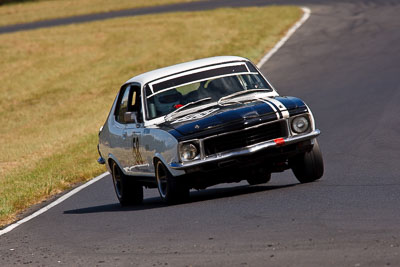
(204,122)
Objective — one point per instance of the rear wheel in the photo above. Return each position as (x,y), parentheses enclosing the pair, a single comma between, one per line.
(309,166)
(171,191)
(127,190)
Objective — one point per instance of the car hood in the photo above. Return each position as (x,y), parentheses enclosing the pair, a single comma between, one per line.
(230,117)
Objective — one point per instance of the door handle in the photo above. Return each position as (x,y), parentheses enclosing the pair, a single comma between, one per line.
(124,134)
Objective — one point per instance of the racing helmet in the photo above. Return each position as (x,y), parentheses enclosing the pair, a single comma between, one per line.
(166,101)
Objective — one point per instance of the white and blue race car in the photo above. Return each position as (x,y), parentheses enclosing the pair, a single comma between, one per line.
(204,122)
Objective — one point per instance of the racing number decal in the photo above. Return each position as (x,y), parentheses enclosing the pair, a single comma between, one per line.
(136,151)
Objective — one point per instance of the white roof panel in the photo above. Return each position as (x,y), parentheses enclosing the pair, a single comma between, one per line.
(159,73)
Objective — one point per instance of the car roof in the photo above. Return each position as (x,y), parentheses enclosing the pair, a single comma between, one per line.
(166,71)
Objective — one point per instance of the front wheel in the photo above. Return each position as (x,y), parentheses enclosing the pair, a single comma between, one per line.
(309,166)
(128,191)
(171,191)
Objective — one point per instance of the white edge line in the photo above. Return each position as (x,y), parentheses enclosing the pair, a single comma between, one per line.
(52,204)
(306,15)
(266,57)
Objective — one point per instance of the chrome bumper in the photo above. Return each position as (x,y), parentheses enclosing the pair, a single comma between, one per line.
(244,151)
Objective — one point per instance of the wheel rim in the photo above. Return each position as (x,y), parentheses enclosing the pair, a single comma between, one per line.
(161,180)
(117,180)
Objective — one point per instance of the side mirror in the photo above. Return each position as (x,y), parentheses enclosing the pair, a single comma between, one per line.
(130,117)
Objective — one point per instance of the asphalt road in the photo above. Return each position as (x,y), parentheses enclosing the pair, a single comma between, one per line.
(344,62)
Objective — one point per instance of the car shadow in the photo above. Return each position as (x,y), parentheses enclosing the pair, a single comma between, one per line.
(195,196)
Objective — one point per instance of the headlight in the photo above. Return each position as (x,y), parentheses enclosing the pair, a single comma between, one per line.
(300,124)
(188,151)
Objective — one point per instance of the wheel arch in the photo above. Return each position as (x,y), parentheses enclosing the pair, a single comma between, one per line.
(112,159)
(159,157)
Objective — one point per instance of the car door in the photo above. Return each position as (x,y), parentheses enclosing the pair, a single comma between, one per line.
(133,132)
(118,133)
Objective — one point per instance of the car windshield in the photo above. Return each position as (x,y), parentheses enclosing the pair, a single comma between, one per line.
(169,95)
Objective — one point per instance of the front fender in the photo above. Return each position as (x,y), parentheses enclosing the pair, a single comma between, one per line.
(167,163)
(165,148)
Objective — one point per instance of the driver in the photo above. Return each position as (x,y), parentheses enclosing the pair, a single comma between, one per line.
(165,102)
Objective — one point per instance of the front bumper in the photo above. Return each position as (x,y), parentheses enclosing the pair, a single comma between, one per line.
(244,151)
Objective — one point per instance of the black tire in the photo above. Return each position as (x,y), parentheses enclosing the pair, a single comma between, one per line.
(128,192)
(309,166)
(171,191)
(260,179)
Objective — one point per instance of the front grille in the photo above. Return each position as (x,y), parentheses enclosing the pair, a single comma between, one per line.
(245,137)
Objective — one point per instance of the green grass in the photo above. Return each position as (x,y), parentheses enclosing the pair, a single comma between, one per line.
(57,86)
(50,176)
(29,11)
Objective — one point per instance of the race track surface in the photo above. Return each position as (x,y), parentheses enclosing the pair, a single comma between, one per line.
(344,62)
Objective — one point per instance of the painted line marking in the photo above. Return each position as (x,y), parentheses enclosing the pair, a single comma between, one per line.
(52,204)
(306,15)
(291,31)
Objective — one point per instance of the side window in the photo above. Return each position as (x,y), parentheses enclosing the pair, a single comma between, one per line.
(129,101)
(122,106)
(135,103)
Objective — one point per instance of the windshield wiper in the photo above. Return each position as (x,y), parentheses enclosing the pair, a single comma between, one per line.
(249,91)
(168,116)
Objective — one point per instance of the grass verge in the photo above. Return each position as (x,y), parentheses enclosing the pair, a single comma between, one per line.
(57,85)
(49,9)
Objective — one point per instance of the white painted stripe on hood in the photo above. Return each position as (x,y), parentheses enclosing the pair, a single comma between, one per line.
(272,106)
(282,107)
